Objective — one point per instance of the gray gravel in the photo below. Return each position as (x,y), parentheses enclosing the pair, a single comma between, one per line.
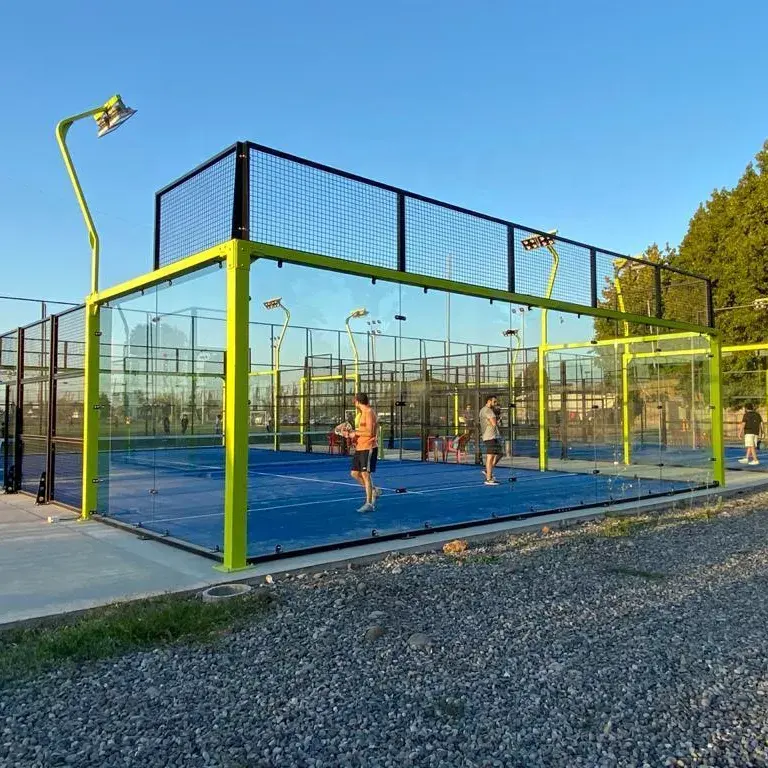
(568,648)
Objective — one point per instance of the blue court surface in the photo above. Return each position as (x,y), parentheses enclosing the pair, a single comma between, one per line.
(300,501)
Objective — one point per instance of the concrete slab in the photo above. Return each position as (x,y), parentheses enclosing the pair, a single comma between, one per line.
(52,568)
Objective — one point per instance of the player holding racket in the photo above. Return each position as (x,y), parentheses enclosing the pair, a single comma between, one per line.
(364,438)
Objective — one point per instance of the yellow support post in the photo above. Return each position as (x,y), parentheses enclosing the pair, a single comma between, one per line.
(716,407)
(236,411)
(302,386)
(625,409)
(91,426)
(455,413)
(543,404)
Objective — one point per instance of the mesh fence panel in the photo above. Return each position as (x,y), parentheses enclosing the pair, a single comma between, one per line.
(197,213)
(37,349)
(9,345)
(684,297)
(452,245)
(70,342)
(68,464)
(35,455)
(308,209)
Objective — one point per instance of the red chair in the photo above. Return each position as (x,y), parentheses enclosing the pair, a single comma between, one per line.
(456,445)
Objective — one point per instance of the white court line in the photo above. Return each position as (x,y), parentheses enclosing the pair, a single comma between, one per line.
(257,509)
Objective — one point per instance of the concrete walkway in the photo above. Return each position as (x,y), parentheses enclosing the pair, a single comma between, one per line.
(62,566)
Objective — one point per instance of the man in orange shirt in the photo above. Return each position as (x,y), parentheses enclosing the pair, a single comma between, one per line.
(364,437)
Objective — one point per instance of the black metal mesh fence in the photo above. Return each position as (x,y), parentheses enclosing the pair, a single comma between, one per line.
(286,201)
(307,209)
(195,212)
(451,245)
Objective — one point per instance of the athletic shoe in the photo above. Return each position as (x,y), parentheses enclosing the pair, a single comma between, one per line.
(753,463)
(743,461)
(491,482)
(366,508)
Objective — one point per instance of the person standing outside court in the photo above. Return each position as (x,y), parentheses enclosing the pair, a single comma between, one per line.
(365,438)
(491,437)
(751,428)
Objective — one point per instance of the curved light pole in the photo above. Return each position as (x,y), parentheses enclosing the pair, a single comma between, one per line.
(509,334)
(108,117)
(354,314)
(532,243)
(270,304)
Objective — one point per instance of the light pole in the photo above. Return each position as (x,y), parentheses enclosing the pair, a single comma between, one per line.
(374,330)
(270,304)
(354,314)
(532,243)
(108,116)
(509,334)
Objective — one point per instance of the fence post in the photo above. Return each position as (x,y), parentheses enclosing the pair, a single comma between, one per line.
(50,465)
(236,410)
(91,409)
(716,408)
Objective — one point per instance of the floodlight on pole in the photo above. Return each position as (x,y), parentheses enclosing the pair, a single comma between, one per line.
(353,315)
(534,242)
(544,240)
(277,303)
(109,116)
(270,304)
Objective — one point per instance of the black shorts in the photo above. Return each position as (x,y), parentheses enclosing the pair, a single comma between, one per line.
(365,461)
(493,447)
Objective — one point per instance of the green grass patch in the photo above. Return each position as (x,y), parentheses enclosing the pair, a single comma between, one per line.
(118,629)
(626,525)
(621,570)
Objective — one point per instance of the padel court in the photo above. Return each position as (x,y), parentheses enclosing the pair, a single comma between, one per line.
(196,402)
(303,501)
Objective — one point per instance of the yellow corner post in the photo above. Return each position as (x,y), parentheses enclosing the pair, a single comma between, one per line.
(626,436)
(91,426)
(716,407)
(236,410)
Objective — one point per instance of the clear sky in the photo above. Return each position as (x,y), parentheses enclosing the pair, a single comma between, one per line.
(610,121)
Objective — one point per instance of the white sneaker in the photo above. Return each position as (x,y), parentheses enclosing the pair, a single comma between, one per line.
(366,508)
(491,482)
(753,463)
(743,461)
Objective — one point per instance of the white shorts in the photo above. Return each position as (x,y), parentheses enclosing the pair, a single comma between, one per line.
(750,441)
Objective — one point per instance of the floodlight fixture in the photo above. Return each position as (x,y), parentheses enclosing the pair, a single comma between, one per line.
(362,312)
(761,303)
(273,303)
(114,114)
(539,241)
(510,332)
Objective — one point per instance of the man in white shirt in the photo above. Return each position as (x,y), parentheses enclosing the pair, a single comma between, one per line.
(491,437)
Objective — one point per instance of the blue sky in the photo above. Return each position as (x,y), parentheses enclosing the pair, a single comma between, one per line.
(608,121)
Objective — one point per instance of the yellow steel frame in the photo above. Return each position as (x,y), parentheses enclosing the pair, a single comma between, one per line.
(236,256)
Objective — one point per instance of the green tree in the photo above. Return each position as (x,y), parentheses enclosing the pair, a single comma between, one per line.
(727,241)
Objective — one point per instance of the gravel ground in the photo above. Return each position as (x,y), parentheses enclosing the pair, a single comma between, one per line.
(621,644)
